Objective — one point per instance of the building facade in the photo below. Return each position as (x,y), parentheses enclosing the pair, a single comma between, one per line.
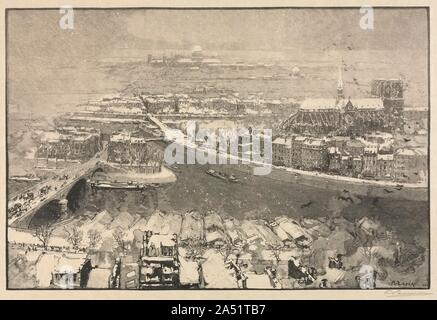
(281,152)
(370,162)
(314,155)
(159,263)
(134,152)
(354,148)
(385,166)
(68,145)
(296,151)
(391,91)
(374,159)
(71,271)
(410,164)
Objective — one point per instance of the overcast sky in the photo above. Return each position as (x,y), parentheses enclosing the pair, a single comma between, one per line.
(36,32)
(38,48)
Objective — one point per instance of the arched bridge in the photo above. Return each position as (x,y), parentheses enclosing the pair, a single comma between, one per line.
(57,191)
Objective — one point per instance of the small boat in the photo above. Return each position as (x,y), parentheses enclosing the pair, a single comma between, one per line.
(216,174)
(232,178)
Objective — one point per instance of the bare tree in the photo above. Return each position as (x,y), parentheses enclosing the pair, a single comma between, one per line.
(276,250)
(229,248)
(43,234)
(74,236)
(120,238)
(195,249)
(94,237)
(367,243)
(368,250)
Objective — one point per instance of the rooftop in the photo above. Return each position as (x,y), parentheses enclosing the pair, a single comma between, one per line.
(412,151)
(385,157)
(300,138)
(158,240)
(335,104)
(315,142)
(367,103)
(68,263)
(127,137)
(50,136)
(355,144)
(282,141)
(316,104)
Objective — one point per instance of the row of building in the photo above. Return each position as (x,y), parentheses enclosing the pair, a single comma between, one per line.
(197,59)
(352,157)
(137,107)
(114,105)
(220,104)
(68,144)
(109,115)
(157,266)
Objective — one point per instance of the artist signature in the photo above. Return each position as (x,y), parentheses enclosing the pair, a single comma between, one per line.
(403,293)
(403,284)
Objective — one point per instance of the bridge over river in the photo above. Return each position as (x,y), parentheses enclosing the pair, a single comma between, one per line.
(58,190)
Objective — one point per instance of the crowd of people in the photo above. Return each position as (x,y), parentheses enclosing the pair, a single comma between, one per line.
(29,247)
(22,202)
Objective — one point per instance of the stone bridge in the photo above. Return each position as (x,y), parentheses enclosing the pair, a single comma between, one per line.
(58,196)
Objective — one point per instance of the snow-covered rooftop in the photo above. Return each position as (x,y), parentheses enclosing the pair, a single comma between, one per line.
(385,157)
(367,103)
(412,151)
(282,141)
(159,240)
(320,103)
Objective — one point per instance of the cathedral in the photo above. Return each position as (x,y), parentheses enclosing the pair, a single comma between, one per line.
(341,116)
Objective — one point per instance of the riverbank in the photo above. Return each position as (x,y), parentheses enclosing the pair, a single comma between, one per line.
(364,187)
(126,176)
(384,189)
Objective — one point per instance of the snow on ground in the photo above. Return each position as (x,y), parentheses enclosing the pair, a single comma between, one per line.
(44,268)
(156,222)
(99,278)
(172,224)
(258,281)
(18,236)
(216,275)
(138,227)
(188,271)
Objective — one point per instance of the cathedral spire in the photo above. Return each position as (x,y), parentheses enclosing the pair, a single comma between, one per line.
(340,94)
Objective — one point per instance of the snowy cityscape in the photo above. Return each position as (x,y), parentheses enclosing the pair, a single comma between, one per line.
(340,124)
